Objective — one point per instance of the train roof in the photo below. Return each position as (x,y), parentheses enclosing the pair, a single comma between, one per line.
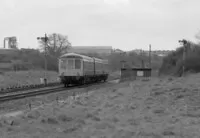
(75,55)
(100,60)
(86,58)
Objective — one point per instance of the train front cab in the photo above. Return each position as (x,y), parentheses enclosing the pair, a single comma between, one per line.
(71,71)
(78,69)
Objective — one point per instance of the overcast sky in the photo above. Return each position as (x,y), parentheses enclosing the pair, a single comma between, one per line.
(124,24)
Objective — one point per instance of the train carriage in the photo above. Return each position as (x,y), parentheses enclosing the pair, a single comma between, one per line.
(79,69)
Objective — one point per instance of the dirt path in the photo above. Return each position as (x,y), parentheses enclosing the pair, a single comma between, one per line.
(160,108)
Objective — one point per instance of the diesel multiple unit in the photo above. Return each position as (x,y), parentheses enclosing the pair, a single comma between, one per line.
(79,69)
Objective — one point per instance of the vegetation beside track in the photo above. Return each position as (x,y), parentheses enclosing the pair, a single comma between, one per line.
(173,63)
(20,78)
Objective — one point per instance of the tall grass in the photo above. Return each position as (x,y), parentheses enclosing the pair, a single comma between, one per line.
(25,77)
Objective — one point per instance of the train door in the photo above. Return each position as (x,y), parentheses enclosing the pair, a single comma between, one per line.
(70,67)
(62,66)
(78,66)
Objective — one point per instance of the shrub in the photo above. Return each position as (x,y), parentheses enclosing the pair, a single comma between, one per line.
(51,120)
(173,63)
(64,118)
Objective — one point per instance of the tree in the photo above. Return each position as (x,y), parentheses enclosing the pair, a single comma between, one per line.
(197,36)
(57,44)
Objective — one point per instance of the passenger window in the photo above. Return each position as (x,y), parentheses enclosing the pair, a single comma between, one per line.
(77,64)
(70,64)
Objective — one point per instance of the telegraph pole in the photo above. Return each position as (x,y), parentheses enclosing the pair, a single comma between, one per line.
(141,54)
(54,38)
(150,56)
(45,54)
(184,54)
(45,40)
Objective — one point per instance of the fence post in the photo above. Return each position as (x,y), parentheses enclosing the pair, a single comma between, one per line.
(29,105)
(57,100)
(74,95)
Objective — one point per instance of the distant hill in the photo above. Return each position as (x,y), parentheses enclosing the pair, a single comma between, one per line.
(105,50)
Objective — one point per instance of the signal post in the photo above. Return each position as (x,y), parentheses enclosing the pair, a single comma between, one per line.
(45,40)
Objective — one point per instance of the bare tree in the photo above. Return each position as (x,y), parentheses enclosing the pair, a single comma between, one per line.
(57,44)
(197,36)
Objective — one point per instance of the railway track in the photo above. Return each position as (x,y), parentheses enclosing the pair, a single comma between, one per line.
(22,95)
(8,90)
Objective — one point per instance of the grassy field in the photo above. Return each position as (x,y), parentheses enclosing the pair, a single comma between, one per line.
(160,108)
(25,78)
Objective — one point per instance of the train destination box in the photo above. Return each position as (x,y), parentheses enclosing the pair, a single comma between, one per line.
(140,73)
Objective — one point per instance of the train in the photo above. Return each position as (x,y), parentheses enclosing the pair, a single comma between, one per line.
(80,69)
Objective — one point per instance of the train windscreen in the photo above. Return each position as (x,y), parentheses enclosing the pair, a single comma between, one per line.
(77,64)
(70,64)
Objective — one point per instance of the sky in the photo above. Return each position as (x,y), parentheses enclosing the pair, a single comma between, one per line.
(123,24)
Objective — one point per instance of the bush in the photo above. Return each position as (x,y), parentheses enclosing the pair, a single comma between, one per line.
(26,59)
(133,60)
(192,63)
(173,63)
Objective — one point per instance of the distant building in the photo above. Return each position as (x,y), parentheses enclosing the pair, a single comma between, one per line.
(137,51)
(91,49)
(118,51)
(160,53)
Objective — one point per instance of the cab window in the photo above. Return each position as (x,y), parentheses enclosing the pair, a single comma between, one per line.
(77,64)
(70,64)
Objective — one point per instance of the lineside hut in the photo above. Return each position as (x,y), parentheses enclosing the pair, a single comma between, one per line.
(135,73)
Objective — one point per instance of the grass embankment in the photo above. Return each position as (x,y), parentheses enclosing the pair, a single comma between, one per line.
(158,108)
(25,78)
